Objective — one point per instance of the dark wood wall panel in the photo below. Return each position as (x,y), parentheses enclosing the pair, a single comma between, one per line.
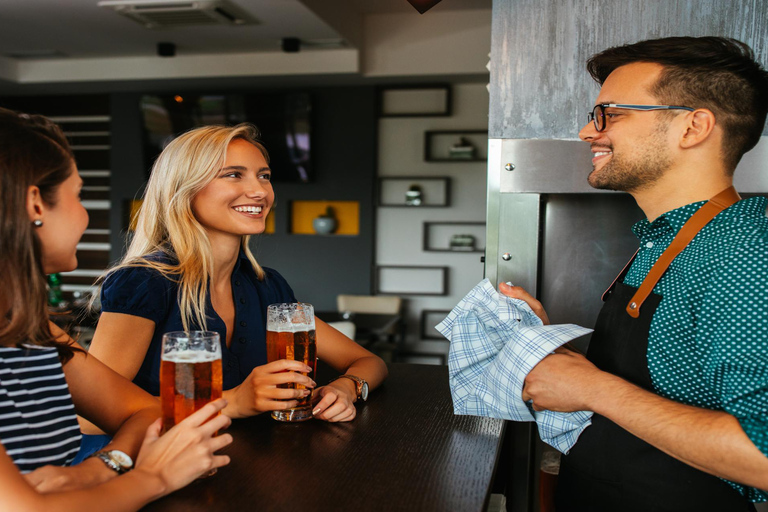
(91,260)
(90,159)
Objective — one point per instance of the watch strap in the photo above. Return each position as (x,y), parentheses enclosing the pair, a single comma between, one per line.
(358,383)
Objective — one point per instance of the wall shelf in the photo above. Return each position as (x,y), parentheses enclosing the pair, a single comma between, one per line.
(438,236)
(435,191)
(438,144)
(411,280)
(303,213)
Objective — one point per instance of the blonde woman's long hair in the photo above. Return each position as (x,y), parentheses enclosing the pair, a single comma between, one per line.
(166,224)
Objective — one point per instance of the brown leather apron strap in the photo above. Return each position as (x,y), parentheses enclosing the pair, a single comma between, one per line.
(687,233)
(620,275)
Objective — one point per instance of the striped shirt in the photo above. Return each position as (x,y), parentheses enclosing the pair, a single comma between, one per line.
(38,425)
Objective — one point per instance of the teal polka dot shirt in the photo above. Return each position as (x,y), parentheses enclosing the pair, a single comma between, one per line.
(708,343)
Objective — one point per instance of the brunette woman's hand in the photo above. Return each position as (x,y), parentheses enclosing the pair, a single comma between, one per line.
(518,292)
(336,401)
(186,451)
(260,392)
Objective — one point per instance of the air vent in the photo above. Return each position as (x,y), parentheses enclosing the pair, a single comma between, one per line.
(180,13)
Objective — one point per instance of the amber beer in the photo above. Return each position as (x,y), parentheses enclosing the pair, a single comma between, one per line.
(187,383)
(190,374)
(291,335)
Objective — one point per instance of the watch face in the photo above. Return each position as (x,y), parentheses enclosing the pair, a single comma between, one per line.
(364,391)
(121,458)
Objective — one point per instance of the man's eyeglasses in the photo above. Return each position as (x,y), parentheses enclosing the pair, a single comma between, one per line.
(598,116)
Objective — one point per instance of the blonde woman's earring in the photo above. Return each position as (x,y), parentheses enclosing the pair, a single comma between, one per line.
(37,223)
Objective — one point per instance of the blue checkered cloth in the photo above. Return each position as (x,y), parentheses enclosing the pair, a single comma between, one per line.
(495,342)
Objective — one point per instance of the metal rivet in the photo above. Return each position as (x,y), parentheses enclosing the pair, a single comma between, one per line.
(633,305)
(509,167)
(506,256)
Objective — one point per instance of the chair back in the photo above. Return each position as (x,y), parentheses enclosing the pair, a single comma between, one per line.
(377,305)
(346,328)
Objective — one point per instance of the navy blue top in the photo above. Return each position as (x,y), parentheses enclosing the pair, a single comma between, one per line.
(146,293)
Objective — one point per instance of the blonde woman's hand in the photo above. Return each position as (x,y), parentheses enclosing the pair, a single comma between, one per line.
(187,451)
(335,402)
(49,478)
(518,292)
(260,392)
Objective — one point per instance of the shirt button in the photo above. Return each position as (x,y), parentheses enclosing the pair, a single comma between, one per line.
(243,324)
(242,340)
(242,300)
(649,245)
(237,283)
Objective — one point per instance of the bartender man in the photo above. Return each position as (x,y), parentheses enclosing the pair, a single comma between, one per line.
(677,369)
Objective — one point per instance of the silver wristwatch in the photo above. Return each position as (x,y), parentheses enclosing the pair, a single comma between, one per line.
(115,460)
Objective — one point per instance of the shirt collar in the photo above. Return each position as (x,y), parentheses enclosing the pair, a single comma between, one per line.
(674,220)
(242,259)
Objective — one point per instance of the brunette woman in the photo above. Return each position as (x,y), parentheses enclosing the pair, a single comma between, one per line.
(45,379)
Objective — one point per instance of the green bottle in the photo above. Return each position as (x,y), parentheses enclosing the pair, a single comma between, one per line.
(54,290)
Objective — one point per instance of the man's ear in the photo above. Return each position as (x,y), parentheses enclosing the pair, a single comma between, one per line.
(699,125)
(35,205)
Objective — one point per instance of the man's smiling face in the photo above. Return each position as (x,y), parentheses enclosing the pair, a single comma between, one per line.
(633,151)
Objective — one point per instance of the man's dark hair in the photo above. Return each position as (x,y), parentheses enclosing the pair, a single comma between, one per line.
(716,73)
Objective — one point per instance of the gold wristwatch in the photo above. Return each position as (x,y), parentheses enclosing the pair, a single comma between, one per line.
(360,384)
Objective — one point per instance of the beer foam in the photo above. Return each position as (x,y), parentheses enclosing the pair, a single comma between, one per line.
(283,327)
(191,356)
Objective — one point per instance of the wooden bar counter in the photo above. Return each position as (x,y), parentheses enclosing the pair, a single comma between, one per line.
(406,450)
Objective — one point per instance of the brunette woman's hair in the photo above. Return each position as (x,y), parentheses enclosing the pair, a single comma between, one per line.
(33,152)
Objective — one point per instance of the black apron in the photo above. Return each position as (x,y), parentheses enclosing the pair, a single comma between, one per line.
(610,469)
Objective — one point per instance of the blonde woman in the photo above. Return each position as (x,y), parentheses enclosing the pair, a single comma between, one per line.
(189,267)
(45,378)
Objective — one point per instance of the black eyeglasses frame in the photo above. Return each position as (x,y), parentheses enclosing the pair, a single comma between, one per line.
(597,116)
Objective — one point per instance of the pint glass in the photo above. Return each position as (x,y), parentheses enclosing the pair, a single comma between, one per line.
(190,373)
(291,335)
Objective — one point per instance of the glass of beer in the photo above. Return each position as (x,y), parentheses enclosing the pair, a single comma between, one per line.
(291,335)
(190,373)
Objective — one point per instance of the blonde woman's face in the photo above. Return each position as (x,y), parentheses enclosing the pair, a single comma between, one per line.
(237,201)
